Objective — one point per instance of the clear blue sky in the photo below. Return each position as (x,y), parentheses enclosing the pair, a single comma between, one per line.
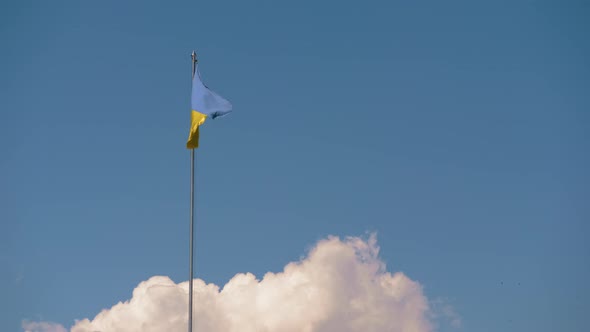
(456,130)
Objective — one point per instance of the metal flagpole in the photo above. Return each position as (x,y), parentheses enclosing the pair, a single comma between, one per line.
(190,280)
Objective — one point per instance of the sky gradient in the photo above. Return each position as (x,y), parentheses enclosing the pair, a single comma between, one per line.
(457,131)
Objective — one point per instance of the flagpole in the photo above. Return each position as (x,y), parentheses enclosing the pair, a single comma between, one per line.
(192,214)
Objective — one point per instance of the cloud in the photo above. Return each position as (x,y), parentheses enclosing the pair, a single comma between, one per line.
(452,316)
(442,311)
(341,286)
(42,327)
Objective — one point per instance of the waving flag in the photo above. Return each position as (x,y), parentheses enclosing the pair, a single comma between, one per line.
(205,104)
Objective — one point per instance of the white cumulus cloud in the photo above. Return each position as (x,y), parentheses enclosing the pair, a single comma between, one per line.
(42,327)
(341,286)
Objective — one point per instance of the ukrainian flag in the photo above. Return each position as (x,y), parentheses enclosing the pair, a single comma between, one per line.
(205,104)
